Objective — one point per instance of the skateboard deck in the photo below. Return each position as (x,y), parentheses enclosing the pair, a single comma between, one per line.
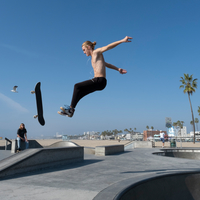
(38,97)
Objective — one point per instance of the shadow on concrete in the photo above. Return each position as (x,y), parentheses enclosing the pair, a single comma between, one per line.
(53,169)
(119,153)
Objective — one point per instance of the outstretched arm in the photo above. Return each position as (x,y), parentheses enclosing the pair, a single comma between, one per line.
(121,71)
(114,44)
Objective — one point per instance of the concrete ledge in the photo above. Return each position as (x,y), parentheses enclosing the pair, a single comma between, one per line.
(108,150)
(6,147)
(32,145)
(34,159)
(184,186)
(143,144)
(89,150)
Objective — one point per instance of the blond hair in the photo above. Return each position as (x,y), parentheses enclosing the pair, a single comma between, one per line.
(22,124)
(88,43)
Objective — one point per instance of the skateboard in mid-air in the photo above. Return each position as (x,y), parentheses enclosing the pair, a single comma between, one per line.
(38,97)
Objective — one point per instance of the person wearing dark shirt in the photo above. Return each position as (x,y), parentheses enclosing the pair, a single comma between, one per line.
(22,136)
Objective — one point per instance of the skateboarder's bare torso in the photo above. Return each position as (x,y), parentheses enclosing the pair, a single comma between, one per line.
(98,64)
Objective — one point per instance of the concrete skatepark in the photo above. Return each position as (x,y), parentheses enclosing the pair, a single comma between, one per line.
(133,172)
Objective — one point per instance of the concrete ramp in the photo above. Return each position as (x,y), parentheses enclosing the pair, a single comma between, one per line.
(63,144)
(34,159)
(184,186)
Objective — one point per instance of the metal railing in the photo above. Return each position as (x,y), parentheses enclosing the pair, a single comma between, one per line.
(6,143)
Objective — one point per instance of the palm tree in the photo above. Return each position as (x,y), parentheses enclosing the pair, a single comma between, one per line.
(189,84)
(115,132)
(177,124)
(126,130)
(147,127)
(182,122)
(152,130)
(198,110)
(192,123)
(196,121)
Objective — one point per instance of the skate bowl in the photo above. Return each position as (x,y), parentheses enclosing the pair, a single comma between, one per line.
(189,153)
(184,186)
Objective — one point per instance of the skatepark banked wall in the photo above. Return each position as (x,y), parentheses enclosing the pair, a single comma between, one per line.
(183,186)
(34,159)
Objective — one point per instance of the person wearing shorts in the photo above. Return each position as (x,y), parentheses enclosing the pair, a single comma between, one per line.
(162,138)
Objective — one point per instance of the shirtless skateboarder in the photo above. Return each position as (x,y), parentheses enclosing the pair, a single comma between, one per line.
(99,81)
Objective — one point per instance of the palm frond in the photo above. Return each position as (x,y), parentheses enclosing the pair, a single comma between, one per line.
(188,84)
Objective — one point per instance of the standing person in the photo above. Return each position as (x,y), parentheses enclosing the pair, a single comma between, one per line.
(162,138)
(22,136)
(99,66)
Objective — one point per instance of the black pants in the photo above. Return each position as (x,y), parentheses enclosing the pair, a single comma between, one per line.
(86,87)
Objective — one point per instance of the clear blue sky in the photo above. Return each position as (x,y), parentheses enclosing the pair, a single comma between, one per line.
(41,41)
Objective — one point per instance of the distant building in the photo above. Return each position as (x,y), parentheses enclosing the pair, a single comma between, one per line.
(184,131)
(177,132)
(171,131)
(150,134)
(128,136)
(64,137)
(196,133)
(138,136)
(90,135)
(58,136)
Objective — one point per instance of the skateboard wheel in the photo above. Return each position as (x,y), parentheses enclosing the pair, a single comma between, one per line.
(32,92)
(35,116)
(61,113)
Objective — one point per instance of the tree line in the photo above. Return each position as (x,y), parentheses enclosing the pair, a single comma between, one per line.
(115,132)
